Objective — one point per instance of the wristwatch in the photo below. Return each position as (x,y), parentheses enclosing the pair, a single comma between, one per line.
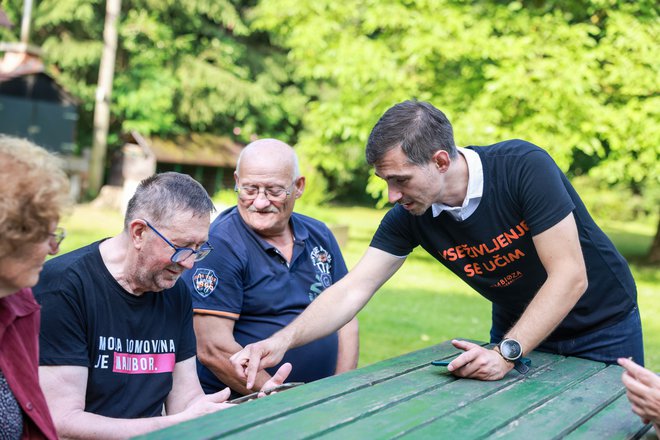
(511,351)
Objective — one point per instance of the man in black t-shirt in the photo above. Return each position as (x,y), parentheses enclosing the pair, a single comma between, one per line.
(117,348)
(506,220)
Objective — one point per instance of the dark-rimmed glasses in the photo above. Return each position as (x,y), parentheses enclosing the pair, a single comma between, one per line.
(182,253)
(272,193)
(58,235)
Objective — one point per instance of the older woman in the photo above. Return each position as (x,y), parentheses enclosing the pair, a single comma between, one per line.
(33,193)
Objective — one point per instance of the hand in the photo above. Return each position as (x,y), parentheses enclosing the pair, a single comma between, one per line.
(643,391)
(257,356)
(278,378)
(478,362)
(207,404)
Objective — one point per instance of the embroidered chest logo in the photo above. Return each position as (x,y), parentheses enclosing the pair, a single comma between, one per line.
(322,262)
(204,282)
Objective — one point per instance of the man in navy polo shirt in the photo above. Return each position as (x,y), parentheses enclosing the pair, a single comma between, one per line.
(268,265)
(507,221)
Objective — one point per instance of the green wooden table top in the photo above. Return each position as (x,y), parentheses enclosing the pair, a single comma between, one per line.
(407,397)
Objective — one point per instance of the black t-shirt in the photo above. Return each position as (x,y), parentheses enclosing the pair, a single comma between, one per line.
(129,343)
(525,193)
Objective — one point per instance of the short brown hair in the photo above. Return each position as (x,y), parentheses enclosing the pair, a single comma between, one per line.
(34,192)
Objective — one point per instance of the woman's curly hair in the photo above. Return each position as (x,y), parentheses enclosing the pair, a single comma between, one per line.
(34,191)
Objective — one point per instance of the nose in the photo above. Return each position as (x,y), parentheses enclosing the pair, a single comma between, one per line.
(188,263)
(261,201)
(393,195)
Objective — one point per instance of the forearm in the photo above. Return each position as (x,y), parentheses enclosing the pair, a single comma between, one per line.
(348,349)
(85,425)
(325,315)
(554,300)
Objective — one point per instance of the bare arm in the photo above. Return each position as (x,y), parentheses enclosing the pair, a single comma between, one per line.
(65,388)
(349,347)
(334,308)
(215,344)
(561,255)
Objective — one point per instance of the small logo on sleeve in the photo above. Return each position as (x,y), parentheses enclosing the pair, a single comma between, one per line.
(204,282)
(322,262)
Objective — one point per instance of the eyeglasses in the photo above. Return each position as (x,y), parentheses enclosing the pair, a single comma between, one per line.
(272,193)
(182,253)
(59,235)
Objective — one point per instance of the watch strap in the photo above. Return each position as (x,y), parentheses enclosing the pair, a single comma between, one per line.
(522,365)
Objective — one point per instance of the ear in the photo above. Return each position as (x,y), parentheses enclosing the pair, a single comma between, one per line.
(136,232)
(441,160)
(235,178)
(300,187)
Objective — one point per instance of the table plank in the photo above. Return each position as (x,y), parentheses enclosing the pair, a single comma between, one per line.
(247,415)
(573,408)
(482,418)
(430,406)
(407,397)
(613,422)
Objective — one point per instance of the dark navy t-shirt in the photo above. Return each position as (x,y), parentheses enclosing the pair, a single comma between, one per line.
(247,280)
(130,344)
(525,193)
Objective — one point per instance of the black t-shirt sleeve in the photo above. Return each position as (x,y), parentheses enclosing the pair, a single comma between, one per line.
(62,338)
(395,233)
(542,196)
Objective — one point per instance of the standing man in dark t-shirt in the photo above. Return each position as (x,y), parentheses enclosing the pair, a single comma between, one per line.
(269,264)
(506,220)
(117,348)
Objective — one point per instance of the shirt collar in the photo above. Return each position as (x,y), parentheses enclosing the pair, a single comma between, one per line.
(475,187)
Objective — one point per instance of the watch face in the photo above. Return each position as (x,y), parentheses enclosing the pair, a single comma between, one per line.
(510,349)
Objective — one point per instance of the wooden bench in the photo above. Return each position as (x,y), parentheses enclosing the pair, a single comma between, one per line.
(407,397)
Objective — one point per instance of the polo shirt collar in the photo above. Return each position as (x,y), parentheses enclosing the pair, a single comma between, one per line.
(475,187)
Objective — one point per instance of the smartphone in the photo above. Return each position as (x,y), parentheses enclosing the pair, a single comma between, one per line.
(284,386)
(443,363)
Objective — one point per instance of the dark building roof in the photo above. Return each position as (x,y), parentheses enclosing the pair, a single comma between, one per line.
(35,86)
(197,149)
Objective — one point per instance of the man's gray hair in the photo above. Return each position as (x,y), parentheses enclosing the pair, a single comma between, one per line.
(160,196)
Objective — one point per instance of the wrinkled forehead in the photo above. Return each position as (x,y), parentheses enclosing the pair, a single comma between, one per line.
(267,171)
(395,164)
(185,226)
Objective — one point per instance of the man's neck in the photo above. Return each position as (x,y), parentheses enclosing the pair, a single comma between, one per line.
(282,241)
(118,260)
(456,178)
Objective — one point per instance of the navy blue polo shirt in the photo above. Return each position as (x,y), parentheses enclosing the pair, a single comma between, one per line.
(246,279)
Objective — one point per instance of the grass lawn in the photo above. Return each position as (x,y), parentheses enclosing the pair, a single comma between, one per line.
(423,304)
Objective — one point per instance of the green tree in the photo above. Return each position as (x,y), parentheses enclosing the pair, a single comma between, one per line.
(578,78)
(182,66)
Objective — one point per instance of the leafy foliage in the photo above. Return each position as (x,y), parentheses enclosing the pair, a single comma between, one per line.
(181,66)
(576,77)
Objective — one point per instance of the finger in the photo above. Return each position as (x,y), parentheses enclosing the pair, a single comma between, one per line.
(463,345)
(253,367)
(633,385)
(239,362)
(641,374)
(282,373)
(278,378)
(220,396)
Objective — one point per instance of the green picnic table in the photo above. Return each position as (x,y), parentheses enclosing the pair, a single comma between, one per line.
(407,397)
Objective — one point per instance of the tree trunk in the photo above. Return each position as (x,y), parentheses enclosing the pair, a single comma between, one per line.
(103,93)
(654,252)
